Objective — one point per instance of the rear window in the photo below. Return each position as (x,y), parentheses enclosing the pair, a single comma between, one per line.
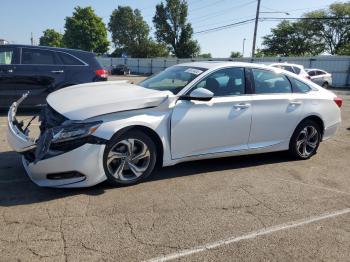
(68,59)
(38,57)
(6,56)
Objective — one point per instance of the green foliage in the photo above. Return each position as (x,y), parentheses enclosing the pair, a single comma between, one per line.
(173,30)
(85,30)
(292,39)
(312,36)
(51,38)
(236,55)
(206,55)
(334,33)
(130,34)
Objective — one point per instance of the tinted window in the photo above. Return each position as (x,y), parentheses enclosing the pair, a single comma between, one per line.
(6,56)
(38,57)
(296,70)
(311,73)
(224,82)
(288,68)
(318,73)
(68,59)
(300,86)
(267,82)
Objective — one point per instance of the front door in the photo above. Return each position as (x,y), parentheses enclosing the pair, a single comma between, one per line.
(216,126)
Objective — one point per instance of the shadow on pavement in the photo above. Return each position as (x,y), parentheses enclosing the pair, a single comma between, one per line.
(17,189)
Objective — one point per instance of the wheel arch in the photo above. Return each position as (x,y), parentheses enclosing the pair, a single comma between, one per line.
(152,134)
(316,119)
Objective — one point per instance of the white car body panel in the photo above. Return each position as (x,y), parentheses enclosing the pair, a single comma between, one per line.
(188,130)
(84,101)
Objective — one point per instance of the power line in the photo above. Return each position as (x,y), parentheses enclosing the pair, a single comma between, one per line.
(302,18)
(225,26)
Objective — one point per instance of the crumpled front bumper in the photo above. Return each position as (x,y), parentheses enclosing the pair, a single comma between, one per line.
(86,160)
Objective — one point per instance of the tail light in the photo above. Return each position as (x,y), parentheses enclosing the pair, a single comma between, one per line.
(338,101)
(101,73)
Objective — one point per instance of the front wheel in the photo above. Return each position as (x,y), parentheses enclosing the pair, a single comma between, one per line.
(305,140)
(130,158)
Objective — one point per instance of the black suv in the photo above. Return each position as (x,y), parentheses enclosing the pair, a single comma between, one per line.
(42,70)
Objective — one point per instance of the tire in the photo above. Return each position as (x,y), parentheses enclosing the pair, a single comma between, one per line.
(123,167)
(305,140)
(325,85)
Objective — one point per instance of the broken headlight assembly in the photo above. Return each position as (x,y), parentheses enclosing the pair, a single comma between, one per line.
(74,131)
(65,134)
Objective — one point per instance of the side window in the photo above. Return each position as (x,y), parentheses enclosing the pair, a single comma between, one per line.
(311,73)
(38,57)
(300,86)
(288,68)
(224,82)
(319,73)
(6,56)
(268,82)
(68,59)
(296,70)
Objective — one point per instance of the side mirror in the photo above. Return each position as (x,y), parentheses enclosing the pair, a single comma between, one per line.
(199,94)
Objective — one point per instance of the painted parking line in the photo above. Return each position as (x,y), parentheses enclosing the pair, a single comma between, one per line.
(251,235)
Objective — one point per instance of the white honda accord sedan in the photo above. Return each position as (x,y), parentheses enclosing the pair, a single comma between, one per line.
(120,132)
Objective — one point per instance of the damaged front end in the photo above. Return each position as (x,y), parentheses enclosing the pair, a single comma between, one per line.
(58,134)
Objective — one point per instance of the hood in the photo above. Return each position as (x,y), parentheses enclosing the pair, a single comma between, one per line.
(84,101)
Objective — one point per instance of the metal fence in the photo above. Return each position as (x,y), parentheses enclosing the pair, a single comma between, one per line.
(338,66)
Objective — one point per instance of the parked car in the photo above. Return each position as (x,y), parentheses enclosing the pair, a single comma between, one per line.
(42,70)
(120,132)
(293,68)
(320,77)
(121,70)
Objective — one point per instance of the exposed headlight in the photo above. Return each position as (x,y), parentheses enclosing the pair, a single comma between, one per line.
(74,131)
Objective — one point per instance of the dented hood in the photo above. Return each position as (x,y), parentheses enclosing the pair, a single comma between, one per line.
(83,101)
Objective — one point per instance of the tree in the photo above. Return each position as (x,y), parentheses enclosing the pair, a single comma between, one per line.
(172,28)
(130,34)
(51,38)
(334,32)
(292,39)
(205,55)
(85,30)
(236,55)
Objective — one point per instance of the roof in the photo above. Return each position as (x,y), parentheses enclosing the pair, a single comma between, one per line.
(47,47)
(219,64)
(287,64)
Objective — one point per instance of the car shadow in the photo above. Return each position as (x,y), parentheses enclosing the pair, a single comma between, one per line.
(17,189)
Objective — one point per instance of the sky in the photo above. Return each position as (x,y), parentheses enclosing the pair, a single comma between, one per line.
(18,18)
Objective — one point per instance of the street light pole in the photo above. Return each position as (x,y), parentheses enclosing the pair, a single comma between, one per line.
(243,47)
(256,27)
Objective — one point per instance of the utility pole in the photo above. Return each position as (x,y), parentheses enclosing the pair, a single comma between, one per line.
(256,27)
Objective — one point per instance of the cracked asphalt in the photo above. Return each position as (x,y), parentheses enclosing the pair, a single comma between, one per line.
(185,206)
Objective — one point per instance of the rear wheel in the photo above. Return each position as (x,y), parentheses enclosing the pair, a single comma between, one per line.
(325,85)
(305,140)
(130,158)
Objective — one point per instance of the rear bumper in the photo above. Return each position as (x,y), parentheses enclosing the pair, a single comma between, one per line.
(330,131)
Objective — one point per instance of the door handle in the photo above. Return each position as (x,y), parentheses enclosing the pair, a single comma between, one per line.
(57,71)
(241,106)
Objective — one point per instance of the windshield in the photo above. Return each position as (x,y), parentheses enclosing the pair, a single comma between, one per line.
(172,79)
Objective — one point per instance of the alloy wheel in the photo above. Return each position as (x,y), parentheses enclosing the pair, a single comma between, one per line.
(128,159)
(307,141)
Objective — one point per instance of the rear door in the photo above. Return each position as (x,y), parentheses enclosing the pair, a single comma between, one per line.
(8,63)
(39,73)
(276,110)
